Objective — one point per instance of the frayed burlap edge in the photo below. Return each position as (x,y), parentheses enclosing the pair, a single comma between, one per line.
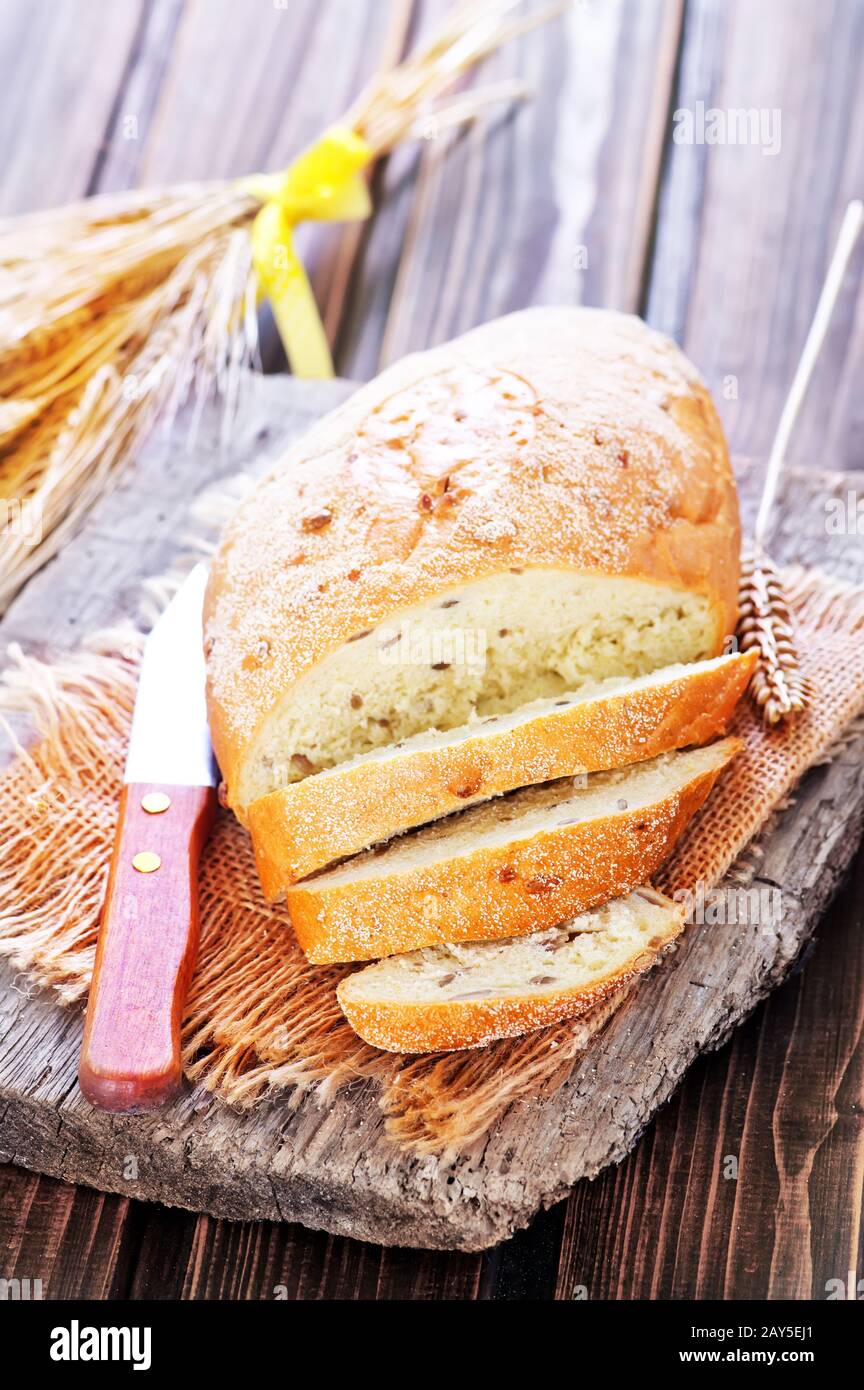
(261,1022)
(829,617)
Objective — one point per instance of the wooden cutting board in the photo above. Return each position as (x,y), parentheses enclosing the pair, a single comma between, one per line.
(332,1167)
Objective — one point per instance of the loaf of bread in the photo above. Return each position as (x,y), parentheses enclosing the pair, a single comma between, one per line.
(512,865)
(345,809)
(449,997)
(543,501)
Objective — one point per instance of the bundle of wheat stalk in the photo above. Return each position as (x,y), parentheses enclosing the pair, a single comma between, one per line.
(116,310)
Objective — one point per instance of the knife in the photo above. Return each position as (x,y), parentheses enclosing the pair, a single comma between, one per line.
(148,936)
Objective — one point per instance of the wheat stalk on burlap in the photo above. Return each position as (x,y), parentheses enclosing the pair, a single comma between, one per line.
(261,1022)
(765,623)
(765,620)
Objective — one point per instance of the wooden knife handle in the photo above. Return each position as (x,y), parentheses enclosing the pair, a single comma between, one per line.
(130,1056)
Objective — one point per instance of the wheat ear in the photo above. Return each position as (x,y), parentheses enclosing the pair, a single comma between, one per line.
(765,623)
(765,620)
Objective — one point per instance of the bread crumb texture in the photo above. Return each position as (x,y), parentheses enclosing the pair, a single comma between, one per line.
(512,865)
(300,828)
(459,996)
(545,500)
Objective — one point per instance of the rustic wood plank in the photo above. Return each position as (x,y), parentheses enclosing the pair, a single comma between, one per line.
(64,66)
(245,88)
(548,203)
(723,281)
(86,1244)
(111,1247)
(844,422)
(835,1187)
(810,1123)
(430,1274)
(105,583)
(76,1241)
(631,1233)
(748,1184)
(127,137)
(335,1168)
(744,237)
(244,85)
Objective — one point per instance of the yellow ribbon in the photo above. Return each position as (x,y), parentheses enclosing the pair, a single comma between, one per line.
(324,184)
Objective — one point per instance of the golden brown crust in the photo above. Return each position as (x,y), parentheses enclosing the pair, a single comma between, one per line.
(554,438)
(497,891)
(452,1026)
(300,828)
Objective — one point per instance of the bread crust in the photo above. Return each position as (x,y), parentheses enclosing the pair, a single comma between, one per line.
(567,438)
(455,1026)
(300,828)
(501,890)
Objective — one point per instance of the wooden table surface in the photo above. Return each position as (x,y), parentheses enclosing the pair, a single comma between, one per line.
(582,195)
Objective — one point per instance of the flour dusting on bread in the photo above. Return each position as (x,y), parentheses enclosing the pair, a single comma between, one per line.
(451,997)
(465,653)
(560,473)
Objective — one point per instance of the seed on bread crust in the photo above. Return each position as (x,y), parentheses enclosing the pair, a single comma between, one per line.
(317,521)
(543,883)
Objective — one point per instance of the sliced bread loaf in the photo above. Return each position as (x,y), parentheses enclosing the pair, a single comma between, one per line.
(546,499)
(449,997)
(512,865)
(339,812)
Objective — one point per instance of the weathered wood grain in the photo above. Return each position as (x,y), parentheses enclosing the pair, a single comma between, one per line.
(62,67)
(550,202)
(120,160)
(245,88)
(76,1241)
(142,527)
(334,1168)
(753,248)
(760,1196)
(744,238)
(753,241)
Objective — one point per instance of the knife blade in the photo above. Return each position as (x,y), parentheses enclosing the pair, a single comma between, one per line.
(148,935)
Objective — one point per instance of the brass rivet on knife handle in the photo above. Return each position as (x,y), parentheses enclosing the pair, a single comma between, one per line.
(146,862)
(154,803)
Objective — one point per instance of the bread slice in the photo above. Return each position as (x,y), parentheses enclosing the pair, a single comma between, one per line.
(516,864)
(339,812)
(448,997)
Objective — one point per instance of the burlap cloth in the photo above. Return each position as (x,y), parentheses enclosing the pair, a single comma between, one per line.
(260,1021)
